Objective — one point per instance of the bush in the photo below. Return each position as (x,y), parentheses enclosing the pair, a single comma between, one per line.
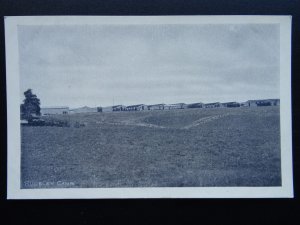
(48,122)
(36,122)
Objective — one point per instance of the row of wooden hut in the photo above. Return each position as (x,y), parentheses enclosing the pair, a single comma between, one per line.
(143,107)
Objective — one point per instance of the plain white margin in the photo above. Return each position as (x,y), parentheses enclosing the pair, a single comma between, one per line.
(13,112)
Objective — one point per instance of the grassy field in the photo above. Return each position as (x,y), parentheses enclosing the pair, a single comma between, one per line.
(177,148)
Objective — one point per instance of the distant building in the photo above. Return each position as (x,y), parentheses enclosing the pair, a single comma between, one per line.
(156,107)
(84,109)
(54,110)
(230,104)
(99,109)
(175,106)
(139,107)
(213,105)
(196,105)
(263,102)
(118,108)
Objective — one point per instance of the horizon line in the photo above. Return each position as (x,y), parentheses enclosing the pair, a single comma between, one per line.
(64,106)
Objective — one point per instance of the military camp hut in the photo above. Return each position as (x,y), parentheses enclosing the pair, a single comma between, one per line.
(54,110)
(114,108)
(230,104)
(263,102)
(175,106)
(139,107)
(117,108)
(213,105)
(156,107)
(196,105)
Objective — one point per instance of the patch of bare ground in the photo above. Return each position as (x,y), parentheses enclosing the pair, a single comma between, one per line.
(206,119)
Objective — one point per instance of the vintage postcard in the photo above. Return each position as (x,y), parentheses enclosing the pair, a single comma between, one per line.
(148,107)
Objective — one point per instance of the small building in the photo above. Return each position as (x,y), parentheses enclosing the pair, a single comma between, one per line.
(118,108)
(99,109)
(230,104)
(196,105)
(45,111)
(138,107)
(156,107)
(175,106)
(84,109)
(213,105)
(263,102)
(115,108)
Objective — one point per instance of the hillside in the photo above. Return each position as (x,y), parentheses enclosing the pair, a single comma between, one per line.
(191,147)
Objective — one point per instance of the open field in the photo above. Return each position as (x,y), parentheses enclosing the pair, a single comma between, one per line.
(177,148)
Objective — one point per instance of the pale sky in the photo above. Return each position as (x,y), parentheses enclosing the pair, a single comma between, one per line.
(98,65)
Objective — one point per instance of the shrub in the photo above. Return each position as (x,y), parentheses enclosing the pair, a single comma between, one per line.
(48,122)
(36,122)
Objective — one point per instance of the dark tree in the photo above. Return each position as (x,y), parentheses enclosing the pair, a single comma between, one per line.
(30,106)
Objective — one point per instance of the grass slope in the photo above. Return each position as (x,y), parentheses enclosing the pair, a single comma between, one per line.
(191,147)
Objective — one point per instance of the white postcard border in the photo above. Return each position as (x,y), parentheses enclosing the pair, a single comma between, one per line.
(13,112)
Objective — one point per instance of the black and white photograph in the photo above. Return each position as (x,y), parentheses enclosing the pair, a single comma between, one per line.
(149,107)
